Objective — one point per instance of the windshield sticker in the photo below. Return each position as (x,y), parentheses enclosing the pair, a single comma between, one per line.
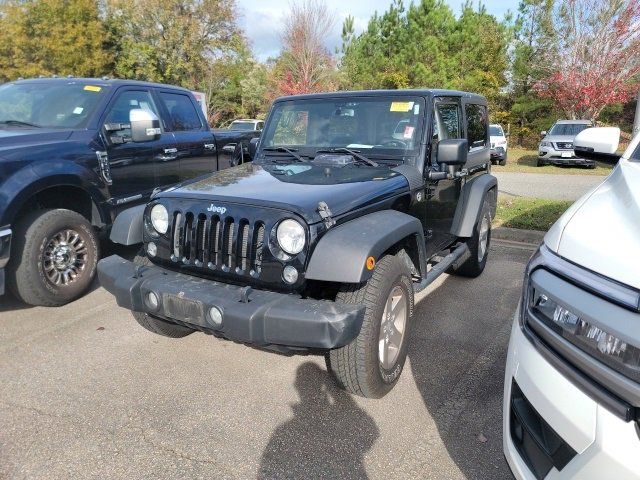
(416,109)
(78,110)
(401,106)
(92,88)
(408,132)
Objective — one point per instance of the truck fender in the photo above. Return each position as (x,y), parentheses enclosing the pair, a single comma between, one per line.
(341,254)
(127,227)
(470,204)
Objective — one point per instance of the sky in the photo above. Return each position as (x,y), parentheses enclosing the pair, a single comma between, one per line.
(261,19)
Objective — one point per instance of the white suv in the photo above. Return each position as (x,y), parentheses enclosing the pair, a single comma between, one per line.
(499,145)
(572,381)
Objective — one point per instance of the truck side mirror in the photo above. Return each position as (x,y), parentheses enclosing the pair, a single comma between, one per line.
(597,143)
(453,151)
(543,133)
(253,147)
(145,125)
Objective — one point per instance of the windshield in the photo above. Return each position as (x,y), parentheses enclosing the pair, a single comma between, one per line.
(376,126)
(496,131)
(571,129)
(48,105)
(242,126)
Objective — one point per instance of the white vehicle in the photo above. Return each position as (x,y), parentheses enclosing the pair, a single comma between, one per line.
(247,124)
(499,145)
(572,380)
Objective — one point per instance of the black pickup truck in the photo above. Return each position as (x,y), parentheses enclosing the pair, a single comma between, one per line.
(75,153)
(354,201)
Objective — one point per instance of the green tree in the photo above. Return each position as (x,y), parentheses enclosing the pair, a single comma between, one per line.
(52,37)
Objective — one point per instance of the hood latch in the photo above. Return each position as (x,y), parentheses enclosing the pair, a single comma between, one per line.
(325,214)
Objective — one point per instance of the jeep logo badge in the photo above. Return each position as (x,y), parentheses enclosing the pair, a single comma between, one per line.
(215,209)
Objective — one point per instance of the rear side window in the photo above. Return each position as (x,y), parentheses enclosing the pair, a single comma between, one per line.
(182,111)
(635,156)
(476,126)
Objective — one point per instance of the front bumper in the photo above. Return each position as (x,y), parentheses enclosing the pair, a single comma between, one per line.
(5,251)
(589,441)
(498,153)
(552,156)
(256,317)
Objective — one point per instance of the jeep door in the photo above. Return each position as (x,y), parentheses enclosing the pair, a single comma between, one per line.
(136,168)
(442,195)
(195,143)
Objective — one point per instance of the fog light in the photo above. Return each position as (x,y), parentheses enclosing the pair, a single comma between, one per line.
(152,249)
(152,301)
(215,315)
(290,274)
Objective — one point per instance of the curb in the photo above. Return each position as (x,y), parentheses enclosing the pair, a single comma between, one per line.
(530,237)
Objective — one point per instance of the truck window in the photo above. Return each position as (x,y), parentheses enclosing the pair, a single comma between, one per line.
(476,126)
(447,121)
(124,103)
(182,112)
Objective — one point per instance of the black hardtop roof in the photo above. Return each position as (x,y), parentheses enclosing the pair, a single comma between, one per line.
(422,92)
(103,82)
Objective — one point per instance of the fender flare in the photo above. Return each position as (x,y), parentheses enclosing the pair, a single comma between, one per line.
(341,254)
(127,228)
(470,204)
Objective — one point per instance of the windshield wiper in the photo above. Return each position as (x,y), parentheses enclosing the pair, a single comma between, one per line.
(290,151)
(353,153)
(19,122)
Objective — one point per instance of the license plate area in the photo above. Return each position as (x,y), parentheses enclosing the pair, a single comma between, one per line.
(184,309)
(565,154)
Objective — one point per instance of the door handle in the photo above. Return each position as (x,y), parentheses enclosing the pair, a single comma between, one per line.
(170,150)
(209,146)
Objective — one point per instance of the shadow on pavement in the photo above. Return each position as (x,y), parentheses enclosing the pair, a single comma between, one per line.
(328,432)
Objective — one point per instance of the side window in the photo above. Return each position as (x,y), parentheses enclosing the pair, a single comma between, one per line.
(124,103)
(182,111)
(476,126)
(260,125)
(446,125)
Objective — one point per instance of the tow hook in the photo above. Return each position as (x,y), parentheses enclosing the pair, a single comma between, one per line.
(325,214)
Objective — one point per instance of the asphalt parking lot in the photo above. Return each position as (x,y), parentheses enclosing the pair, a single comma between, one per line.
(87,393)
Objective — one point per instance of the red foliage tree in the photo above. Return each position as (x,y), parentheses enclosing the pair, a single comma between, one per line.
(305,66)
(596,58)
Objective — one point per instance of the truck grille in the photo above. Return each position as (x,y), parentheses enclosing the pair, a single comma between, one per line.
(218,242)
(564,145)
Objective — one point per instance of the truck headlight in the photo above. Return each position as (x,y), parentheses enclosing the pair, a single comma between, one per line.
(545,144)
(159,218)
(291,236)
(590,338)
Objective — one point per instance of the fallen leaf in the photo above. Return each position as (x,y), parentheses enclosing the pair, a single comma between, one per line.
(100,328)
(482,438)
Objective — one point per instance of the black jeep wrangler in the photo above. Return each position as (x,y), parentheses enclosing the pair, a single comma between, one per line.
(354,202)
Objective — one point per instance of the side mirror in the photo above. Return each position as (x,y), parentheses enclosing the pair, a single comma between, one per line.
(597,143)
(453,151)
(145,125)
(543,133)
(253,147)
(238,155)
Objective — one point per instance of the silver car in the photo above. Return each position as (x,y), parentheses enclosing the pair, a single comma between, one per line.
(556,147)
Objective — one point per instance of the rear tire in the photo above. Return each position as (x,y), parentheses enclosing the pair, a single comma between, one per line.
(154,324)
(54,258)
(371,364)
(478,245)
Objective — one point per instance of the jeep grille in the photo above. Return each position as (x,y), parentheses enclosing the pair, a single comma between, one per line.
(218,242)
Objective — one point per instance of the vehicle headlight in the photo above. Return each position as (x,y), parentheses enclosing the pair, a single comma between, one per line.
(545,144)
(291,236)
(159,218)
(590,338)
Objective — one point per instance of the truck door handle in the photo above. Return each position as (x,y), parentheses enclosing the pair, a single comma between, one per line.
(209,146)
(170,150)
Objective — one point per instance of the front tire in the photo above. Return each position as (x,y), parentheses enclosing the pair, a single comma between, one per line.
(55,257)
(503,162)
(154,324)
(478,245)
(371,364)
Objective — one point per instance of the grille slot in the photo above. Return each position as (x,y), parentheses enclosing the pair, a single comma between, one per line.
(259,245)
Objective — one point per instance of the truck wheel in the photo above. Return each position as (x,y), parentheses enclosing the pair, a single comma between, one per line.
(56,253)
(504,159)
(478,245)
(372,363)
(155,324)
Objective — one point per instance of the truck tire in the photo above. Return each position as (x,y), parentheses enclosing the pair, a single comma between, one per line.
(371,364)
(478,245)
(55,257)
(504,160)
(155,324)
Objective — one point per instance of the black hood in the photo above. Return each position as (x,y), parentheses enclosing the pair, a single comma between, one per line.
(19,137)
(296,187)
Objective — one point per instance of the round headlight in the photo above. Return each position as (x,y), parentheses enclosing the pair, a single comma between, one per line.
(291,236)
(160,218)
